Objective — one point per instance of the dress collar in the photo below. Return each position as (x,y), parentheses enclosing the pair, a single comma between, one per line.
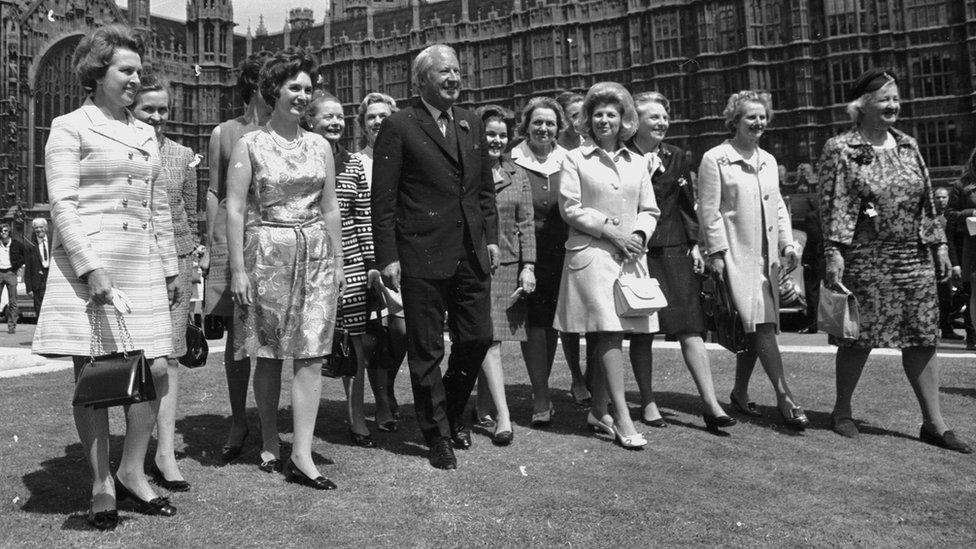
(733,156)
(589,147)
(523,156)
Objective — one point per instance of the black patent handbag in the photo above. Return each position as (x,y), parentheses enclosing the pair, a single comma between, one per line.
(115,379)
(197,349)
(342,361)
(721,317)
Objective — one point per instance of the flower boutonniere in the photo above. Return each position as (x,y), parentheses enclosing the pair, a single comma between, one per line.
(663,152)
(862,156)
(196,161)
(464,125)
(682,182)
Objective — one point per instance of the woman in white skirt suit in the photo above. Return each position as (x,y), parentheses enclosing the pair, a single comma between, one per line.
(113,236)
(607,199)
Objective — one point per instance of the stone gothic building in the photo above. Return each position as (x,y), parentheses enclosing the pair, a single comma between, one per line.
(697,52)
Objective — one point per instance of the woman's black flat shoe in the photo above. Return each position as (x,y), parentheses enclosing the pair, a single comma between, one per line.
(658,423)
(796,419)
(103,520)
(171,485)
(502,438)
(749,409)
(271,466)
(946,440)
(295,475)
(156,506)
(714,423)
(390,426)
(363,441)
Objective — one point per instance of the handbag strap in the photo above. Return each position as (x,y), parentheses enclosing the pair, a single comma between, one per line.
(96,332)
(640,267)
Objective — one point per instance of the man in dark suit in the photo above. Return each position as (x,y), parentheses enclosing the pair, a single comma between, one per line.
(37,263)
(11,260)
(436,232)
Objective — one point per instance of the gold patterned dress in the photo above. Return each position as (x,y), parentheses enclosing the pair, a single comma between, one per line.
(287,252)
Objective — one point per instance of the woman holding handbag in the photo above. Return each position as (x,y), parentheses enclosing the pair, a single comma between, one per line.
(179,176)
(884,242)
(114,268)
(674,260)
(607,200)
(745,229)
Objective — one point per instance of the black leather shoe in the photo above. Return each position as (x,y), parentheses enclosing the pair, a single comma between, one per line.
(503,438)
(658,423)
(230,452)
(461,437)
(714,423)
(844,426)
(271,466)
(156,506)
(103,520)
(295,475)
(171,485)
(390,426)
(795,419)
(363,441)
(946,440)
(441,454)
(749,408)
(952,335)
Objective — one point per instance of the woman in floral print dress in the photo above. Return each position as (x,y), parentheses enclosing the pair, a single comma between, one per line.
(884,241)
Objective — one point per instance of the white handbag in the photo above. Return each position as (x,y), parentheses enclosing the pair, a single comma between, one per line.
(637,294)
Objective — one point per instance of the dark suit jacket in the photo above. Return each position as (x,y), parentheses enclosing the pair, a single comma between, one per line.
(424,195)
(18,253)
(35,274)
(675,197)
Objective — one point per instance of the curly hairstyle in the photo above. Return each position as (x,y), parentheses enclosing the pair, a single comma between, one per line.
(319,97)
(542,102)
(488,113)
(150,83)
(644,98)
(738,101)
(93,55)
(374,97)
(247,81)
(609,93)
(280,68)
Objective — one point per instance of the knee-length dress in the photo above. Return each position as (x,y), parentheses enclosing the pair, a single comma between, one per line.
(877,203)
(109,212)
(551,232)
(288,254)
(516,244)
(352,192)
(179,174)
(597,188)
(668,250)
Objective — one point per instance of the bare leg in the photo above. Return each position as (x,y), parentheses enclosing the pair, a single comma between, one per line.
(140,420)
(696,359)
(354,387)
(538,362)
(491,371)
(848,366)
(768,350)
(165,458)
(93,431)
(238,373)
(306,391)
(267,394)
(922,368)
(610,355)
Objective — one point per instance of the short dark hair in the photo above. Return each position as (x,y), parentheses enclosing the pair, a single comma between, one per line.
(94,53)
(487,113)
(284,66)
(318,97)
(247,82)
(150,83)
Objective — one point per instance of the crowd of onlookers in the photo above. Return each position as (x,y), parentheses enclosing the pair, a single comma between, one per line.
(499,227)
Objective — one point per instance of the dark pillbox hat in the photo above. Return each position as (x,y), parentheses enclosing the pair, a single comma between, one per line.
(871,80)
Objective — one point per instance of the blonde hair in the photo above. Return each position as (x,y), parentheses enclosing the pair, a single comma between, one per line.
(609,93)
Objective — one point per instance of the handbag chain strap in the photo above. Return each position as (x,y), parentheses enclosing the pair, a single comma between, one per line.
(96,326)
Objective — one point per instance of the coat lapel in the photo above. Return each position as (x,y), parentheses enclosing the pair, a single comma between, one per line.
(463,133)
(140,138)
(429,125)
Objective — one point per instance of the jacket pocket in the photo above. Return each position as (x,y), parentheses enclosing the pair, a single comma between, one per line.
(579,252)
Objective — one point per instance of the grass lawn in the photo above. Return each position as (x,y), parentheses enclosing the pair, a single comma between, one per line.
(761,485)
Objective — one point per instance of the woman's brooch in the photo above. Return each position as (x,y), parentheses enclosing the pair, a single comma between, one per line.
(863,156)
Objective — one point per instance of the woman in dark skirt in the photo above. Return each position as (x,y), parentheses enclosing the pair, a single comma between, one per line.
(674,260)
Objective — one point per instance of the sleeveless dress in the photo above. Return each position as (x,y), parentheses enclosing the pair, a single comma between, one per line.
(287,252)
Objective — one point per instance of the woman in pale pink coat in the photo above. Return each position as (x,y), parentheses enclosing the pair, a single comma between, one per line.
(745,228)
(606,198)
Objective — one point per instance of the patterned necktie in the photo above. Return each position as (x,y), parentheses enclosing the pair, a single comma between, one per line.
(448,130)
